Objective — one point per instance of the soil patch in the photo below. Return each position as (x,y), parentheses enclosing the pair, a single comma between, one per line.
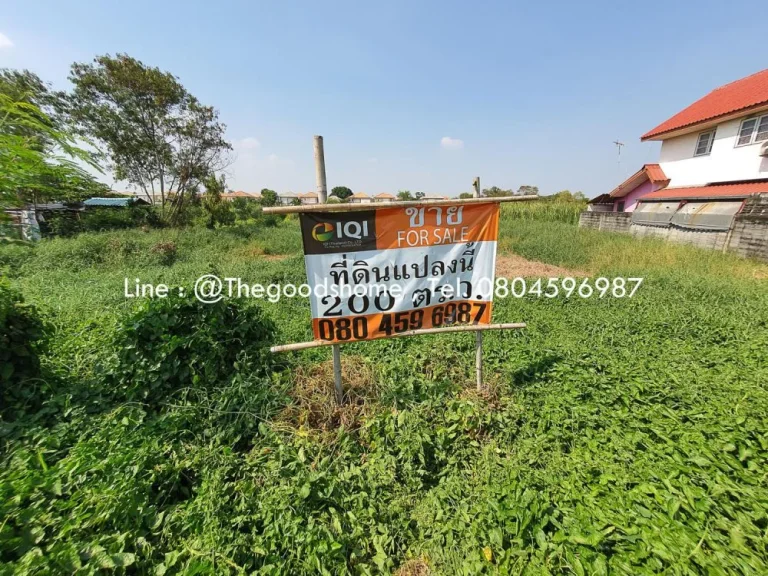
(512,266)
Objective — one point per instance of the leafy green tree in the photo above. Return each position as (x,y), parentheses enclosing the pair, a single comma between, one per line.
(217,210)
(466,195)
(404,195)
(341,192)
(156,135)
(526,190)
(38,162)
(568,196)
(27,87)
(268,197)
(495,192)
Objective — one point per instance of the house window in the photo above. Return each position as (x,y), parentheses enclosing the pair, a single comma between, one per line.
(704,143)
(753,130)
(620,207)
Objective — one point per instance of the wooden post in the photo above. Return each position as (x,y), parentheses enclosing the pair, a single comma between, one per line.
(322,188)
(337,385)
(479,360)
(478,334)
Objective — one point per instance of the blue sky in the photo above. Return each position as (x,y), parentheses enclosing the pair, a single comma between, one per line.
(525,93)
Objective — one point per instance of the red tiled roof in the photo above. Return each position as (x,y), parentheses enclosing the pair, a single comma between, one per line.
(652,172)
(743,94)
(740,190)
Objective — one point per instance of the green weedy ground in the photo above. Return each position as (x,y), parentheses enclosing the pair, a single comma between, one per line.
(621,436)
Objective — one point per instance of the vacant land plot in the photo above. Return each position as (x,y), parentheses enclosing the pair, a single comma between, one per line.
(620,435)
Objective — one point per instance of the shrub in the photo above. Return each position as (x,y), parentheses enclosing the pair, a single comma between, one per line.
(22,339)
(178,342)
(166,252)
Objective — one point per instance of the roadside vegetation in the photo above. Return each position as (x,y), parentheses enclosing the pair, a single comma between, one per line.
(160,436)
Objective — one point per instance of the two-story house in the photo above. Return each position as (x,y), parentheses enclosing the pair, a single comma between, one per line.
(715,150)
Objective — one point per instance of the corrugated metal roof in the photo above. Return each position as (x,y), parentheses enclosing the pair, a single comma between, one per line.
(744,94)
(121,202)
(726,190)
(716,215)
(654,213)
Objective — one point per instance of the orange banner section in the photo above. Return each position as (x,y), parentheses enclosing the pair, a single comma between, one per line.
(383,324)
(434,225)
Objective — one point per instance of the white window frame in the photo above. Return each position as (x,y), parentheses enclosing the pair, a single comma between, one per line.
(709,145)
(758,120)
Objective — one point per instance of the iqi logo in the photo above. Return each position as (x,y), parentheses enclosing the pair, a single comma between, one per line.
(322,232)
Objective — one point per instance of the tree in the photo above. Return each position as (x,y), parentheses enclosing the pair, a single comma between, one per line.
(156,135)
(26,87)
(466,195)
(495,192)
(268,197)
(37,152)
(217,210)
(568,196)
(526,190)
(341,192)
(38,161)
(404,195)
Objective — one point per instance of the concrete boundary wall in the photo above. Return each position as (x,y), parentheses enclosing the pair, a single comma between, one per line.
(747,237)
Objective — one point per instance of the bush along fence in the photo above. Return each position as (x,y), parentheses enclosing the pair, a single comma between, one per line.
(746,236)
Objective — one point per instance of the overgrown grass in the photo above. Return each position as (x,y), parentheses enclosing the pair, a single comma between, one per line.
(620,436)
(544,211)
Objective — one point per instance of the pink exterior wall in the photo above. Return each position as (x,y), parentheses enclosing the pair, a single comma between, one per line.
(630,200)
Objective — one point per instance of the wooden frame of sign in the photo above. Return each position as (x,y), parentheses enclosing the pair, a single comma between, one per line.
(462,231)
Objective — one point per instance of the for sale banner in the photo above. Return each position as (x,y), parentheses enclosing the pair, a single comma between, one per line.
(380,272)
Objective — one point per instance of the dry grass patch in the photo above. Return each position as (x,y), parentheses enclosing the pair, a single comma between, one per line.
(314,404)
(414,567)
(512,266)
(255,251)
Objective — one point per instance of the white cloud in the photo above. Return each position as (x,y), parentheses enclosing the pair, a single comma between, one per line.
(5,42)
(451,143)
(373,160)
(273,158)
(249,143)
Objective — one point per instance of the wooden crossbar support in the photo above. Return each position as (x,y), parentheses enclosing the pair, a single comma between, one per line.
(446,329)
(361,207)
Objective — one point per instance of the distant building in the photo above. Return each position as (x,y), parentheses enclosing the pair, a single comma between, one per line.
(715,150)
(287,198)
(434,197)
(384,197)
(308,198)
(360,198)
(230,196)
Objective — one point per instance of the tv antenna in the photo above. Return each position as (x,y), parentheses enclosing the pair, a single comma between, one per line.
(618,146)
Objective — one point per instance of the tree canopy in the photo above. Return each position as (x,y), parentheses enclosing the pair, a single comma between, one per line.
(268,197)
(39,159)
(526,190)
(495,192)
(156,135)
(341,192)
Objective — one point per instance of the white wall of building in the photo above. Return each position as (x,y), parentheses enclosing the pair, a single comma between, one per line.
(724,163)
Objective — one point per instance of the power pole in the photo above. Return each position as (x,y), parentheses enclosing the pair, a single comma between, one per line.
(322,198)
